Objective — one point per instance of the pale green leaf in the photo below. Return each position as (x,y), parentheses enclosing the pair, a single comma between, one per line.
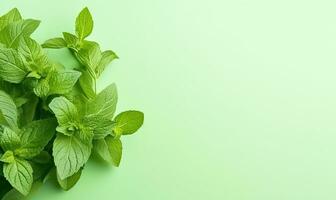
(128,122)
(101,127)
(64,110)
(57,82)
(19,174)
(105,103)
(55,43)
(70,154)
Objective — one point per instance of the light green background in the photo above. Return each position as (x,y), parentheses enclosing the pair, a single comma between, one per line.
(239,97)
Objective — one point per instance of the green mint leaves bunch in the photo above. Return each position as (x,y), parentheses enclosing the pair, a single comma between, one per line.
(52,118)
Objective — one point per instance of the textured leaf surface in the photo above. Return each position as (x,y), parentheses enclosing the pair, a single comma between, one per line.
(8,110)
(55,43)
(64,110)
(84,24)
(11,35)
(35,136)
(105,103)
(12,66)
(128,122)
(10,17)
(20,175)
(70,154)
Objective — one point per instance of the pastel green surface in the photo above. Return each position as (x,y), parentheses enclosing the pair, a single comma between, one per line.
(239,97)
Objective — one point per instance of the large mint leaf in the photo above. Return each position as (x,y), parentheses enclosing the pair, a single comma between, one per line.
(33,53)
(35,136)
(70,154)
(12,66)
(104,105)
(11,35)
(8,111)
(10,17)
(84,24)
(128,122)
(64,110)
(19,174)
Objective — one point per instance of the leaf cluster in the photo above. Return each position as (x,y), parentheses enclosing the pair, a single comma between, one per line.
(52,119)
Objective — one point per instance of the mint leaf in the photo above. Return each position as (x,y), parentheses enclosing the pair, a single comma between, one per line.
(109,149)
(115,148)
(128,122)
(11,35)
(71,40)
(34,137)
(104,105)
(101,149)
(64,110)
(101,127)
(55,43)
(90,55)
(7,157)
(84,24)
(19,174)
(61,82)
(70,154)
(106,58)
(12,66)
(8,110)
(9,140)
(57,82)
(68,183)
(10,17)
(86,82)
(33,53)
(29,110)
